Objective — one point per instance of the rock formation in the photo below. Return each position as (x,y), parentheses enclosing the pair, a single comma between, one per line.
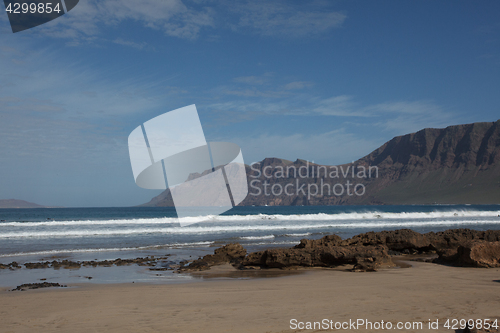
(366,252)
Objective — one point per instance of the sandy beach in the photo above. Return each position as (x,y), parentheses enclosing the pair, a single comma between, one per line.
(423,292)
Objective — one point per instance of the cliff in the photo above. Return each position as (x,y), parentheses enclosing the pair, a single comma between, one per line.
(455,165)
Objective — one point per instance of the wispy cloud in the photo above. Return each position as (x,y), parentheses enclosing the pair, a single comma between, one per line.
(172,17)
(280,18)
(336,106)
(47,106)
(187,19)
(129,43)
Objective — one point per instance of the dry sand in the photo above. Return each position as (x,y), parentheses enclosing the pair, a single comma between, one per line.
(422,292)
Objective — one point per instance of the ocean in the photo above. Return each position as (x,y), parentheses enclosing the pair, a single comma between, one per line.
(28,235)
(73,230)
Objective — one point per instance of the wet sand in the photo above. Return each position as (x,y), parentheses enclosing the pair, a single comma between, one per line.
(417,294)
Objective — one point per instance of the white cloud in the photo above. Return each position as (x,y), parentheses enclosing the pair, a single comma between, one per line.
(173,17)
(186,19)
(32,81)
(279,18)
(51,107)
(337,106)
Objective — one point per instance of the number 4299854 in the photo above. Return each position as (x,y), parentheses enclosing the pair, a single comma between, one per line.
(40,8)
(455,324)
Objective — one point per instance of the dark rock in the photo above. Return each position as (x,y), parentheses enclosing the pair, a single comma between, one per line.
(147,261)
(397,240)
(320,253)
(446,256)
(28,286)
(70,264)
(14,265)
(448,244)
(365,265)
(37,265)
(453,238)
(280,258)
(231,253)
(371,250)
(330,240)
(479,254)
(255,258)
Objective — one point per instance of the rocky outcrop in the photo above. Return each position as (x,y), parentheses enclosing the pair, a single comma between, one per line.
(477,253)
(366,252)
(480,254)
(407,240)
(404,240)
(231,253)
(453,238)
(363,257)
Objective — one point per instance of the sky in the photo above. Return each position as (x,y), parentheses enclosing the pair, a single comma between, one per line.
(324,81)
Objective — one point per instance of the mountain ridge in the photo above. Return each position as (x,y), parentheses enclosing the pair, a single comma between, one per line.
(21,204)
(459,164)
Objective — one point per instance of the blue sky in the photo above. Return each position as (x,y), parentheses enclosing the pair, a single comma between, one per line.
(325,81)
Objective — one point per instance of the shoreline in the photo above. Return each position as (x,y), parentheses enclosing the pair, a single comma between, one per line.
(418,294)
(365,252)
(389,276)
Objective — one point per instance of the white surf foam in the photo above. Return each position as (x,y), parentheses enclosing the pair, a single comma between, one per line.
(257,237)
(227,228)
(262,217)
(298,235)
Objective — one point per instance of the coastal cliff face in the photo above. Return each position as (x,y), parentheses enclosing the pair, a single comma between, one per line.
(455,165)
(458,164)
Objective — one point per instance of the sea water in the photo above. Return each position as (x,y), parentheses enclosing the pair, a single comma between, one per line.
(110,233)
